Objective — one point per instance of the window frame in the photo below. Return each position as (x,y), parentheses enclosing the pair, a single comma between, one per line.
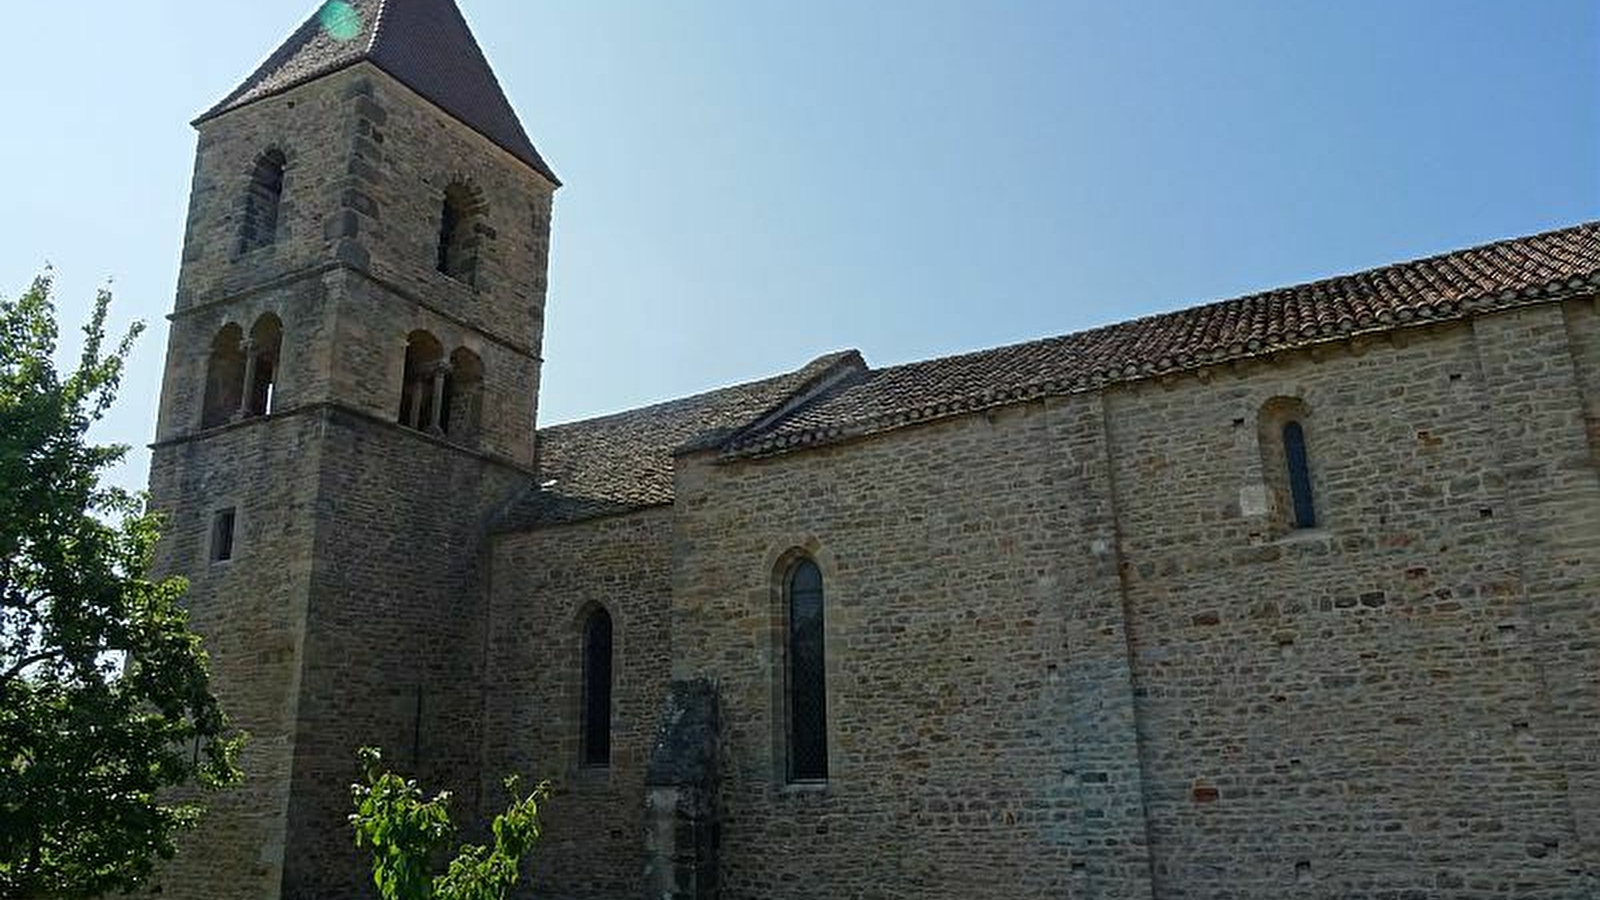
(589,714)
(263,201)
(791,728)
(223,546)
(1297,461)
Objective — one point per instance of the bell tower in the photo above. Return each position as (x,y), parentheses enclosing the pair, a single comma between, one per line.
(350,397)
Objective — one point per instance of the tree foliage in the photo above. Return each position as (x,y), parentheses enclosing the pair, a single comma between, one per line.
(104,694)
(409,835)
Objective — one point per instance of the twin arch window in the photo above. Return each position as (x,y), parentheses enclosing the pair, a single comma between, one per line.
(441,396)
(242,372)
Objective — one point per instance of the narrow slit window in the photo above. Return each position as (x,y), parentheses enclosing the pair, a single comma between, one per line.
(1294,453)
(807,692)
(596,738)
(222,534)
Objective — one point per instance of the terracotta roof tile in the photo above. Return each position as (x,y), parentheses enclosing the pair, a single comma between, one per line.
(624,462)
(1439,287)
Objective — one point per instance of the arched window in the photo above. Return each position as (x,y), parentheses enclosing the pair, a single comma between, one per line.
(224,378)
(1286,462)
(1299,472)
(806,688)
(422,391)
(596,737)
(463,397)
(459,236)
(261,365)
(262,201)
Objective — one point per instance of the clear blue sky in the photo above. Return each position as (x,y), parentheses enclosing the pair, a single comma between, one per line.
(751,183)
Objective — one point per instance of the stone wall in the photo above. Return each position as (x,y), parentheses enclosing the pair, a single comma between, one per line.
(544,585)
(394,636)
(368,165)
(979,706)
(1397,702)
(251,612)
(1358,710)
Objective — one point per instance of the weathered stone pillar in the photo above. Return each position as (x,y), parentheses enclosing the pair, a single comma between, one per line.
(247,393)
(414,409)
(682,810)
(435,414)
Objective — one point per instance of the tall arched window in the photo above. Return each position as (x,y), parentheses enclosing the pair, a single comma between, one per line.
(1299,471)
(458,233)
(262,201)
(224,378)
(596,737)
(806,687)
(1285,425)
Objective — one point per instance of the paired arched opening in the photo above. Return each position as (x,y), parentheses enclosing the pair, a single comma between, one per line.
(224,377)
(1284,425)
(598,654)
(262,350)
(262,201)
(242,372)
(805,687)
(459,233)
(441,396)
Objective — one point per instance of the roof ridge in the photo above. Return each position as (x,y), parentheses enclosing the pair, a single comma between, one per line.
(1314,284)
(377,27)
(1418,261)
(1487,277)
(687,398)
(833,369)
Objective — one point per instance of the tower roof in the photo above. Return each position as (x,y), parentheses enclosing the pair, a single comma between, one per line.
(425,44)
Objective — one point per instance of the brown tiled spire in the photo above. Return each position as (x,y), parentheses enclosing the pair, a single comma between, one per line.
(425,44)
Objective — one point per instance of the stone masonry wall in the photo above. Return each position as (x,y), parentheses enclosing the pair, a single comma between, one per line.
(544,585)
(251,612)
(1361,709)
(395,634)
(1399,702)
(979,708)
(368,165)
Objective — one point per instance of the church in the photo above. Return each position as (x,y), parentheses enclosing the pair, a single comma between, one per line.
(1291,595)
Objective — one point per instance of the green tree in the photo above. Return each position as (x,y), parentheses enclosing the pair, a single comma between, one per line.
(105,702)
(409,836)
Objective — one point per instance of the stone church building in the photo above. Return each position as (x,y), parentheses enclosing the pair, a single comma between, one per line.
(1291,595)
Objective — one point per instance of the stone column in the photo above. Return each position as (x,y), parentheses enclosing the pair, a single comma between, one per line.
(413,413)
(247,393)
(435,419)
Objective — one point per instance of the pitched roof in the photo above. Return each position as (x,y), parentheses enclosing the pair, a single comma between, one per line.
(1447,286)
(425,44)
(623,462)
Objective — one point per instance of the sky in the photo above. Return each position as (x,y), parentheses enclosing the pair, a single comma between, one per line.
(752,183)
